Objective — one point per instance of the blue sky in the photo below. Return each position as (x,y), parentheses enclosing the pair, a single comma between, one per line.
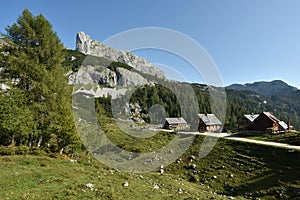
(249,40)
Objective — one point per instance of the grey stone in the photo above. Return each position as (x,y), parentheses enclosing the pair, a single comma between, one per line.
(83,42)
(92,47)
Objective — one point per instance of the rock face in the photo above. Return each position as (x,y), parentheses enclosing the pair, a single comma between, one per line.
(103,76)
(92,47)
(129,78)
(83,42)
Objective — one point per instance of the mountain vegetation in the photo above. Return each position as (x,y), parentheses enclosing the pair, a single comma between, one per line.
(273,88)
(36,118)
(36,110)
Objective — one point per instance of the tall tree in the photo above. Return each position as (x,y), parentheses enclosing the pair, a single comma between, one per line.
(33,63)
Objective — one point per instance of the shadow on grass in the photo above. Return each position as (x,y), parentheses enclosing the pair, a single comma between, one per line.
(280,178)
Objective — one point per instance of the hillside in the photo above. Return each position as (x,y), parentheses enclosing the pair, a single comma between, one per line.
(285,106)
(269,89)
(79,129)
(232,169)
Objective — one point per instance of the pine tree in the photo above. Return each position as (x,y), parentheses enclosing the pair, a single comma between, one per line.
(33,62)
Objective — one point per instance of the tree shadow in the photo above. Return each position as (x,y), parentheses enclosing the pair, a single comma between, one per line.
(277,177)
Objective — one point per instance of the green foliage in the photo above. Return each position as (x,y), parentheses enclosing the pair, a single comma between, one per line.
(258,172)
(290,137)
(148,96)
(114,65)
(16,123)
(69,55)
(32,67)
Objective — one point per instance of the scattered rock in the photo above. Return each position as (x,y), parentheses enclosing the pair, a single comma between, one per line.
(161,169)
(125,184)
(90,186)
(230,175)
(193,166)
(214,177)
(156,186)
(192,158)
(180,191)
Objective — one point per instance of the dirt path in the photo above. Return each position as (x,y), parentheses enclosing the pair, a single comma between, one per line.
(229,137)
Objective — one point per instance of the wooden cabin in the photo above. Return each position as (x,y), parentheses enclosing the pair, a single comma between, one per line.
(209,123)
(245,122)
(175,124)
(265,122)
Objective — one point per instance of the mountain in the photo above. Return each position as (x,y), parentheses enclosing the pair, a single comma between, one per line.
(276,96)
(276,87)
(95,48)
(118,73)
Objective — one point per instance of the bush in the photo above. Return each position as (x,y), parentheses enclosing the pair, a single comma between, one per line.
(7,151)
(37,151)
(22,150)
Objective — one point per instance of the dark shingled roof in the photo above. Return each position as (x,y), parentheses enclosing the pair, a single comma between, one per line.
(176,120)
(209,119)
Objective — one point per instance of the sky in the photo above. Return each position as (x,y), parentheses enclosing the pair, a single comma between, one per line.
(248,40)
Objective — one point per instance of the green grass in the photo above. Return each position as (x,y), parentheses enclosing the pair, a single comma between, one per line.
(258,172)
(33,177)
(292,137)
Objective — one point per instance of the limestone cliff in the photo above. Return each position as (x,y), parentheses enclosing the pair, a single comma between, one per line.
(92,47)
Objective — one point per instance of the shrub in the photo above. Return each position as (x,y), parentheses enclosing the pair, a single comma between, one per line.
(22,150)
(7,151)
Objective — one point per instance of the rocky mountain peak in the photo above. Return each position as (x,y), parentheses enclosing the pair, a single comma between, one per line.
(85,45)
(83,42)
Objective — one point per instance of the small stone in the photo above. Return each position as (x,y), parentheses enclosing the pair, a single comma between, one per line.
(161,171)
(141,177)
(214,177)
(90,186)
(156,186)
(194,166)
(230,197)
(125,184)
(180,191)
(230,176)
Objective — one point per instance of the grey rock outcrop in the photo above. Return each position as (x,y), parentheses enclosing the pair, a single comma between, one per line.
(100,75)
(83,42)
(129,78)
(92,47)
(108,78)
